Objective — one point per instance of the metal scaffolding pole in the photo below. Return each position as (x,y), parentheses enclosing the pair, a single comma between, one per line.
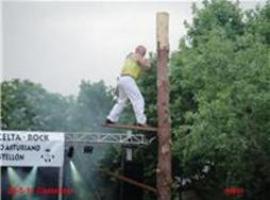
(108,138)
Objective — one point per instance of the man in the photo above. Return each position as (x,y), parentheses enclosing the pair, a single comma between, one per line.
(133,66)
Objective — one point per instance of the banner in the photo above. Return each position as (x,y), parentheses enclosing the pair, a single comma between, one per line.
(28,148)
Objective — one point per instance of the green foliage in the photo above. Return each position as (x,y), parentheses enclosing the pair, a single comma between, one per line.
(220,83)
(27,106)
(220,88)
(216,15)
(93,104)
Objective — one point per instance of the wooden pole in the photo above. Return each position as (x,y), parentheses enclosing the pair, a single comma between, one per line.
(130,181)
(164,177)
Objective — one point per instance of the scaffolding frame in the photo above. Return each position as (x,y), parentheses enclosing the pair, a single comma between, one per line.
(108,138)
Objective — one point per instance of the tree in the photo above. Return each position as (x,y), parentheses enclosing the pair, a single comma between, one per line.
(28,106)
(220,83)
(93,104)
(219,95)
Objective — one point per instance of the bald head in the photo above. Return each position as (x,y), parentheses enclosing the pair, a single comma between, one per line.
(140,50)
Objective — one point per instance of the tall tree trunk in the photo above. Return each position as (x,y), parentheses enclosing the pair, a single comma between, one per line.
(164,178)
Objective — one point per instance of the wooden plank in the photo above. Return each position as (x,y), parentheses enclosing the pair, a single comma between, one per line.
(130,181)
(131,127)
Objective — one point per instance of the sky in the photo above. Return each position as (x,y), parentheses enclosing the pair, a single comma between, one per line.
(60,43)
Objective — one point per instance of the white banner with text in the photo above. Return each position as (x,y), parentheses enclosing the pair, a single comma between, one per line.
(28,148)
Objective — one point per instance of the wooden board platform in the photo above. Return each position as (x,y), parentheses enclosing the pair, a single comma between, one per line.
(132,127)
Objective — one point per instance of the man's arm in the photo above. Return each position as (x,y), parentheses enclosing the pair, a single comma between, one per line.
(143,62)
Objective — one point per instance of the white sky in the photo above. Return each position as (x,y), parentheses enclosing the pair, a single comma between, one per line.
(60,43)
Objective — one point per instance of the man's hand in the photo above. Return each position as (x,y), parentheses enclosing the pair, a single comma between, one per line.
(143,62)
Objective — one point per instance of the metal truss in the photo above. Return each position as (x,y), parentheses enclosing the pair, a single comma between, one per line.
(107,138)
(99,138)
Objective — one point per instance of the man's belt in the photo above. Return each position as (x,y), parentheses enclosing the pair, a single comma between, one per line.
(122,75)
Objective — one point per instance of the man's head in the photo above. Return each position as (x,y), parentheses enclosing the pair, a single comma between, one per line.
(140,50)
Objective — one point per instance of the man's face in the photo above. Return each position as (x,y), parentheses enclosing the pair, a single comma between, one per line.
(142,51)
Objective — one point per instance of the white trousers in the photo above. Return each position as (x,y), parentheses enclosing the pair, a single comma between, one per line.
(128,89)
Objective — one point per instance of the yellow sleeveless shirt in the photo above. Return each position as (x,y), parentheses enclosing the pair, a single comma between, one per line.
(131,67)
